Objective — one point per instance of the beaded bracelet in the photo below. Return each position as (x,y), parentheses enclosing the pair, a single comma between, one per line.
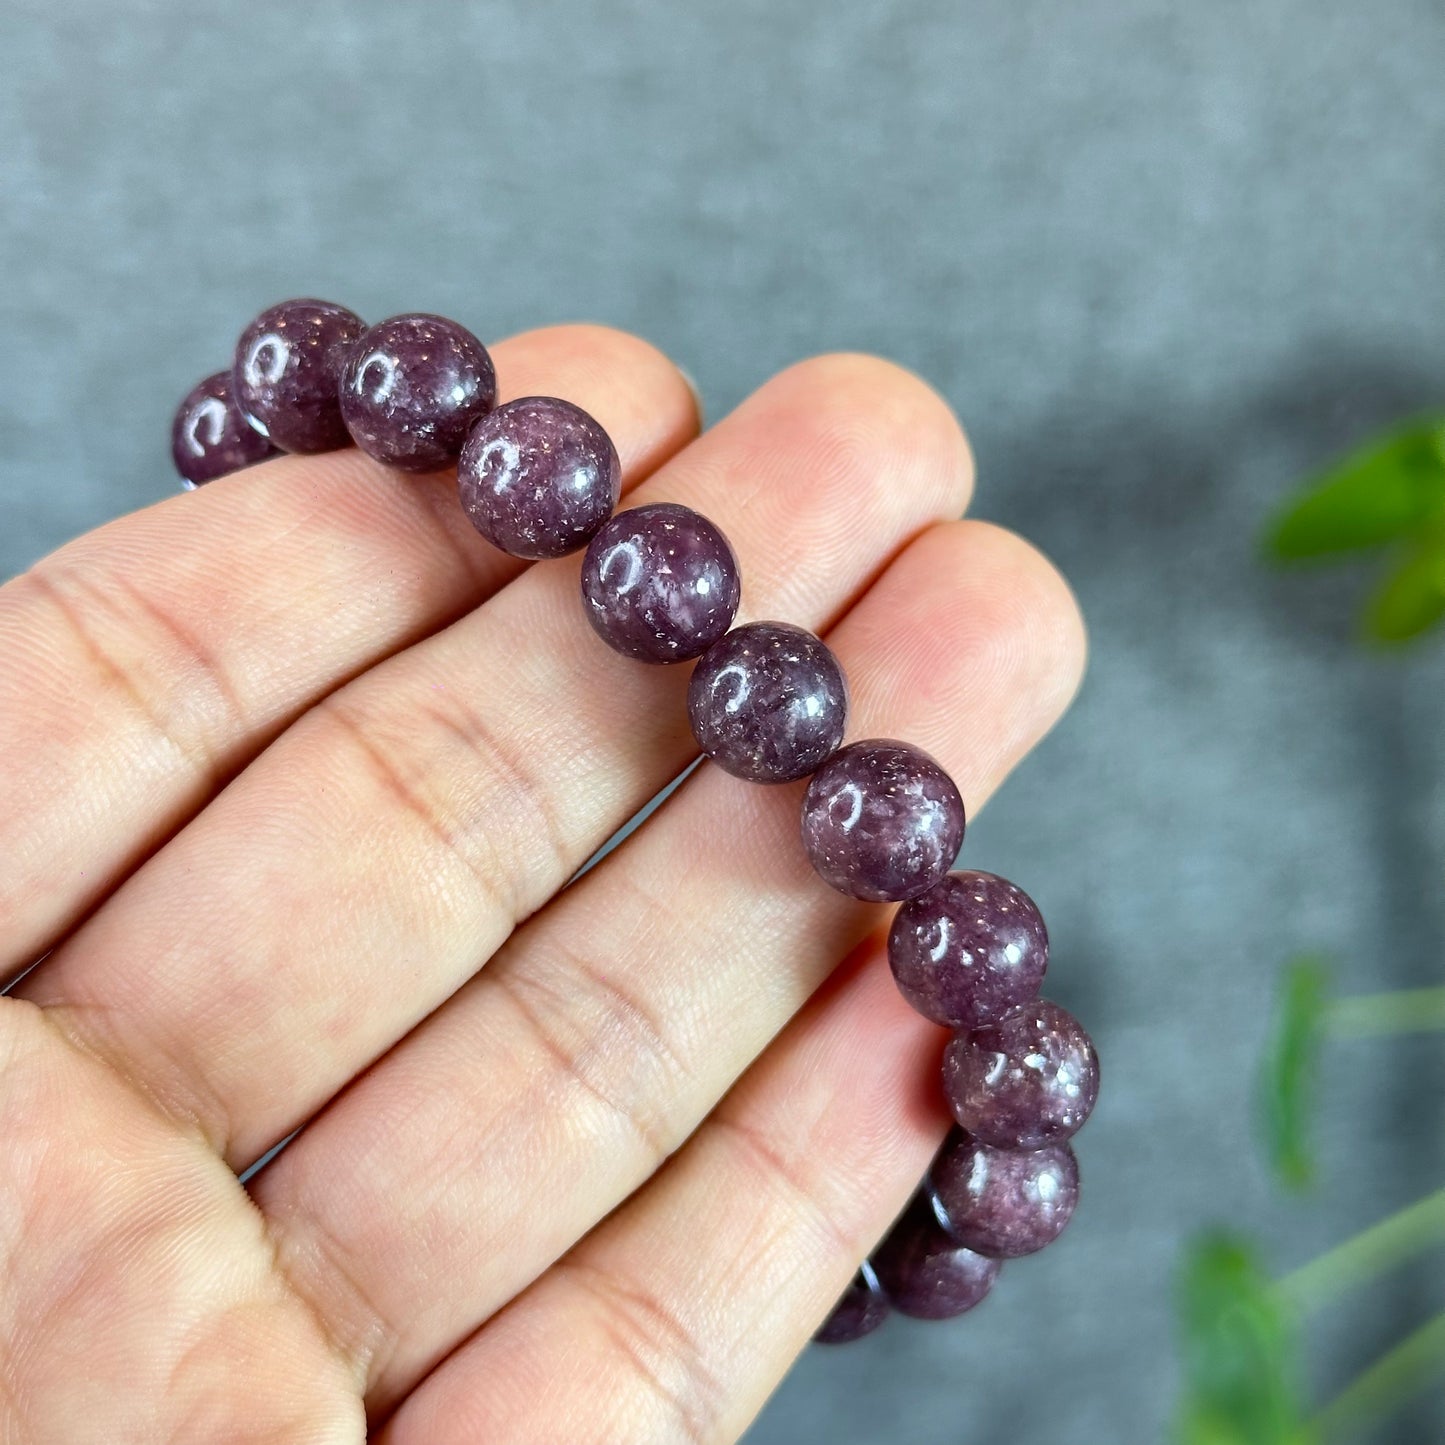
(767,701)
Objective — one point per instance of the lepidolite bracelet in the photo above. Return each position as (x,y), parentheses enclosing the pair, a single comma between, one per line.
(767,701)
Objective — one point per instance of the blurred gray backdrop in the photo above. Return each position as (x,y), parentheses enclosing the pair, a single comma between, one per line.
(1162,257)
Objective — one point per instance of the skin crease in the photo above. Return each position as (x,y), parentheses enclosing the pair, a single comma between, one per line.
(151,1298)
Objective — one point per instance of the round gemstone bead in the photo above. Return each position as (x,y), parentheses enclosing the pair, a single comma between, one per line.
(287,369)
(861,1309)
(1029,1080)
(211,436)
(660,583)
(768,702)
(1004,1202)
(926,1273)
(538,477)
(969,951)
(412,386)
(882,821)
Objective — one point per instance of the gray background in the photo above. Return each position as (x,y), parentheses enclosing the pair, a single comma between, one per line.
(1163,258)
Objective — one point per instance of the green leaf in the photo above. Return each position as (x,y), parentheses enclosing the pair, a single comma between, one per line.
(1385,491)
(1239,1351)
(1287,1074)
(1412,597)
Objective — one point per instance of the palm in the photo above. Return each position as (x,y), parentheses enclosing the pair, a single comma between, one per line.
(288,761)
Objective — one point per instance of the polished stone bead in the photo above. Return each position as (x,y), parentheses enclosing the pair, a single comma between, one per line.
(1027,1081)
(969,951)
(211,436)
(538,477)
(412,387)
(926,1273)
(287,371)
(768,702)
(1004,1202)
(882,821)
(861,1309)
(660,583)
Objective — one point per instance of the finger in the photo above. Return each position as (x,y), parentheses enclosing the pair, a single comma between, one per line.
(377,854)
(680,1314)
(149,660)
(487,1143)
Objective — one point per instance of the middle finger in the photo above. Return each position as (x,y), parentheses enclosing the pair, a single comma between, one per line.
(377,854)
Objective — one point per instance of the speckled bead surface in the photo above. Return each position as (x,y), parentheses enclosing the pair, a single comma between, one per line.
(768,702)
(412,387)
(970,950)
(882,821)
(211,436)
(660,583)
(538,477)
(927,1274)
(1004,1202)
(1030,1080)
(860,1310)
(288,369)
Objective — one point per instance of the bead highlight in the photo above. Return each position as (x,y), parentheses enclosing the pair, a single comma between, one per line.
(539,477)
(286,372)
(660,583)
(411,388)
(768,702)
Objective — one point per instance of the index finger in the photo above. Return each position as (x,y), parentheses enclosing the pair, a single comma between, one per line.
(146,663)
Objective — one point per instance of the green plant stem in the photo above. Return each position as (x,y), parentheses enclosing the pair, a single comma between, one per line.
(1367,1254)
(1398,1011)
(1387,1384)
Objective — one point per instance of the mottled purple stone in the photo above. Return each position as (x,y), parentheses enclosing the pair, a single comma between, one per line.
(1004,1202)
(768,702)
(538,477)
(969,951)
(287,370)
(926,1273)
(411,388)
(882,821)
(211,436)
(1029,1080)
(861,1309)
(660,583)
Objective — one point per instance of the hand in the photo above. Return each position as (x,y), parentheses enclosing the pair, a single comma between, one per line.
(288,760)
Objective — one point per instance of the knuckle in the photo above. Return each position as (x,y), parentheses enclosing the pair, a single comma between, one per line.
(654,1342)
(784,1186)
(603,1039)
(144,651)
(478,828)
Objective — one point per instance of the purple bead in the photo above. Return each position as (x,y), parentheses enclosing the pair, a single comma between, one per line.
(882,821)
(287,369)
(969,951)
(1004,1202)
(1027,1081)
(861,1309)
(411,388)
(538,477)
(927,1274)
(768,702)
(211,436)
(660,583)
